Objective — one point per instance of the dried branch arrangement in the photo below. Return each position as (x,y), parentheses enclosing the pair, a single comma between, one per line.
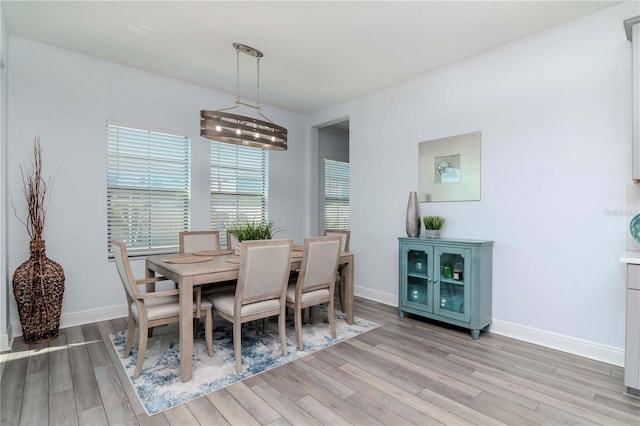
(35,189)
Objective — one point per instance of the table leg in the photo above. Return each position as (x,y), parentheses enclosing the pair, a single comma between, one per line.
(348,290)
(186,327)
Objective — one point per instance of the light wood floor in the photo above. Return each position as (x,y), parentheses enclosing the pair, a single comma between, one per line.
(406,372)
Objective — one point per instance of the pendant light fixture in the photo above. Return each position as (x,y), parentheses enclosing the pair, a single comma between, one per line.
(258,132)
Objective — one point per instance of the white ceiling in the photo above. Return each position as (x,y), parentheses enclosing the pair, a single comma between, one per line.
(316,54)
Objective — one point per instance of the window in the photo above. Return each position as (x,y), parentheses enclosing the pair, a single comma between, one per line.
(148,189)
(336,194)
(239,186)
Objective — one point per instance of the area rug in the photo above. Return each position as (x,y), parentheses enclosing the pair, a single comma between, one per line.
(160,388)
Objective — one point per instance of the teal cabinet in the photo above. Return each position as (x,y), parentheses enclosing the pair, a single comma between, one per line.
(448,280)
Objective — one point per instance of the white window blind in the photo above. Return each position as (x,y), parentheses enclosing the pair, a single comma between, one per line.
(148,189)
(239,186)
(336,194)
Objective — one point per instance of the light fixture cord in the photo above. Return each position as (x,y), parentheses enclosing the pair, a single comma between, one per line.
(258,84)
(237,75)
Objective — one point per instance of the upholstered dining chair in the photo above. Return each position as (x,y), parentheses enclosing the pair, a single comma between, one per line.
(345,236)
(193,241)
(316,280)
(260,292)
(148,310)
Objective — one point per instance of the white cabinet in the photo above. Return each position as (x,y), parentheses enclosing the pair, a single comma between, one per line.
(632,337)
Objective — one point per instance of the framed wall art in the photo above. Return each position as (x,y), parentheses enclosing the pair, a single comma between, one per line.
(449,168)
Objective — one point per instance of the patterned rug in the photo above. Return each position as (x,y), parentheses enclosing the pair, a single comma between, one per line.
(159,387)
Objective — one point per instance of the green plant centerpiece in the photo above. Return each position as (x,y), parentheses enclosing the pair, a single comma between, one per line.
(433,225)
(252,231)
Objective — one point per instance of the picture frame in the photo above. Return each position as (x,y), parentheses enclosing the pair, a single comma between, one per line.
(449,168)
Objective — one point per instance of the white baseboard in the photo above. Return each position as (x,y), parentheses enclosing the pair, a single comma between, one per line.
(81,318)
(5,342)
(596,351)
(376,296)
(585,348)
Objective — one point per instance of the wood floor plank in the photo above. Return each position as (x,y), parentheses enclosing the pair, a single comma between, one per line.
(106,328)
(95,346)
(417,370)
(39,358)
(84,381)
(293,413)
(180,416)
(62,409)
(155,420)
(564,401)
(412,400)
(325,395)
(113,396)
(59,367)
(231,409)
(94,416)
(320,412)
(262,412)
(310,373)
(282,384)
(205,412)
(12,384)
(35,408)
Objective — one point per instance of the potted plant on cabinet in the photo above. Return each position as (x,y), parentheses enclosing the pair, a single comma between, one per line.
(433,225)
(38,284)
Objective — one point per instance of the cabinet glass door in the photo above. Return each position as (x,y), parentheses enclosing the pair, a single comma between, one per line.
(452,283)
(418,290)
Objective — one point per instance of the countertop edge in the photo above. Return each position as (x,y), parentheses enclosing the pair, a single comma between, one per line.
(631,256)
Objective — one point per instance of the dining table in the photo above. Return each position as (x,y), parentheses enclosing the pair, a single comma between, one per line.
(195,269)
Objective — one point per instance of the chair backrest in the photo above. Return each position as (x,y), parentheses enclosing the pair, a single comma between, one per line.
(319,262)
(192,241)
(124,268)
(264,270)
(345,234)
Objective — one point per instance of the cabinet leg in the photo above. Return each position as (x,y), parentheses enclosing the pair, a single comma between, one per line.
(400,314)
(475,334)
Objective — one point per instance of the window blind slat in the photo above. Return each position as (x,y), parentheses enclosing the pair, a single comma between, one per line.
(336,194)
(239,186)
(148,188)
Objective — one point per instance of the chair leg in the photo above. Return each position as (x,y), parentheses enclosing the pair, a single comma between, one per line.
(196,327)
(298,321)
(131,329)
(339,281)
(208,331)
(332,317)
(142,349)
(237,345)
(310,314)
(341,294)
(283,331)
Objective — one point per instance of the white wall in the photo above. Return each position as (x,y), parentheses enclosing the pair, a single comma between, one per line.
(4,273)
(555,115)
(67,98)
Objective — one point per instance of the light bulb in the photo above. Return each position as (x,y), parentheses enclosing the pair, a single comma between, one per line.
(218,128)
(273,138)
(238,132)
(256,135)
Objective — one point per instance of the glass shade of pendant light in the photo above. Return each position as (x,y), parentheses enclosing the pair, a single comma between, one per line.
(258,132)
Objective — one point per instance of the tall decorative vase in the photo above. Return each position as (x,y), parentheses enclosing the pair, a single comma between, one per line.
(413,215)
(38,286)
